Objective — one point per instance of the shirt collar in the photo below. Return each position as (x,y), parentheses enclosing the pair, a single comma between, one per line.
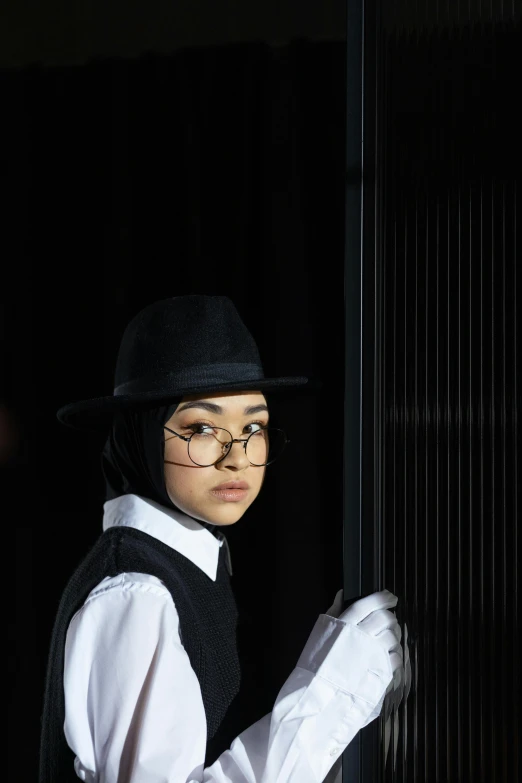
(177,530)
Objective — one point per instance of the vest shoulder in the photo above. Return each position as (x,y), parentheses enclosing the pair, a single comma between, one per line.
(130,581)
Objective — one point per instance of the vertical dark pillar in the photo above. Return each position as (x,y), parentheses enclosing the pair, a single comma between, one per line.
(362,498)
(353,330)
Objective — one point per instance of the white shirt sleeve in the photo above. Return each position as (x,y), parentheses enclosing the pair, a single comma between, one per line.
(134,711)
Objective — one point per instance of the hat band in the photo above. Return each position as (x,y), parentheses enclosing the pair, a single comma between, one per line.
(201,375)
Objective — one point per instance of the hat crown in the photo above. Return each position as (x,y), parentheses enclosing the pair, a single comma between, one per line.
(183,335)
(183,345)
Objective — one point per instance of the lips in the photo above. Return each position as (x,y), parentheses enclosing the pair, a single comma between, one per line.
(232,485)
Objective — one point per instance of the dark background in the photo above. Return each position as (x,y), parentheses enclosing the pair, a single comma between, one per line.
(146,171)
(174,148)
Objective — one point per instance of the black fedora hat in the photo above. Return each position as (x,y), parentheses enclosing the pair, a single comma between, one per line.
(175,347)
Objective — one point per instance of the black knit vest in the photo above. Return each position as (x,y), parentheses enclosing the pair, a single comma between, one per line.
(208,629)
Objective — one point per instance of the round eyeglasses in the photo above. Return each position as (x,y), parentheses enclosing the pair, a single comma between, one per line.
(209,445)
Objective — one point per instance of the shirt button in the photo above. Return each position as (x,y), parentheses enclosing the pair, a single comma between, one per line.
(334,751)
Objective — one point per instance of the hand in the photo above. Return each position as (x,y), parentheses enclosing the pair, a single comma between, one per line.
(371,615)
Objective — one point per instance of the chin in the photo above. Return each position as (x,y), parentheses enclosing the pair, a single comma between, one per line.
(225,516)
(227,522)
(226,519)
(217,514)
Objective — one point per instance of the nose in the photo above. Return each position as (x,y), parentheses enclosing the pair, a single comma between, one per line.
(236,458)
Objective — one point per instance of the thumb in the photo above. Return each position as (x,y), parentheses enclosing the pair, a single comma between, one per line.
(336,608)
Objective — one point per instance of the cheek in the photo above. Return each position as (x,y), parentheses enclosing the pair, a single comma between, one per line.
(259,478)
(183,481)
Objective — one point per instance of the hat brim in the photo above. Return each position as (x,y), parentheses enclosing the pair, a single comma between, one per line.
(96,414)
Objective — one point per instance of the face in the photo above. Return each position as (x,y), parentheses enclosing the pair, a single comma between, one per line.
(192,487)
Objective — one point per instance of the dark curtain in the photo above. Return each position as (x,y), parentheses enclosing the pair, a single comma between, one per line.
(216,171)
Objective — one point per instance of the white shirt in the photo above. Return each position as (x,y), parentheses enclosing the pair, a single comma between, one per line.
(133,705)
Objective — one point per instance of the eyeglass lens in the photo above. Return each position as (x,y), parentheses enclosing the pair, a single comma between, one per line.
(263,446)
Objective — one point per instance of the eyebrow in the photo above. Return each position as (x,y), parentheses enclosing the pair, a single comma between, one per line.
(212,407)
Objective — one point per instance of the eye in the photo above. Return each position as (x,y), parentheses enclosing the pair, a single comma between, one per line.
(204,428)
(259,426)
(200,428)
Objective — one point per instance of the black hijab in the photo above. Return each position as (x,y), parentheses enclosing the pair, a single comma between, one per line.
(132,459)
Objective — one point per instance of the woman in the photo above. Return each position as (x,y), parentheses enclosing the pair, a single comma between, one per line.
(144,676)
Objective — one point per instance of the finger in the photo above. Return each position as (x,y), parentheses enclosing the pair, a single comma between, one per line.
(389,641)
(386,635)
(336,607)
(364,606)
(380,620)
(396,657)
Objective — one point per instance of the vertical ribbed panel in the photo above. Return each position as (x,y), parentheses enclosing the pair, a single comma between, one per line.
(451,142)
(414,15)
